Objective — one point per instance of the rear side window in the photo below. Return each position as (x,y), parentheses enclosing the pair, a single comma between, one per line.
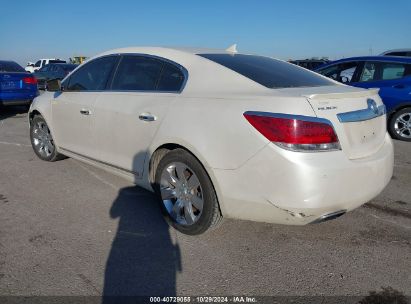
(271,73)
(10,66)
(137,73)
(141,73)
(392,70)
(171,79)
(92,76)
(376,71)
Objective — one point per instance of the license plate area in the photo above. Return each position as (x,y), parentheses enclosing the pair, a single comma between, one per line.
(365,137)
(9,85)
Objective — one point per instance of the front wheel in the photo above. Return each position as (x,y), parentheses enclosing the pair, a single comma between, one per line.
(42,141)
(188,198)
(400,125)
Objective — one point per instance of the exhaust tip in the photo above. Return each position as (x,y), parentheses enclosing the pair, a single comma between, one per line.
(329,216)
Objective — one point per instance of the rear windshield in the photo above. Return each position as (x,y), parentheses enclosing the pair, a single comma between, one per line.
(10,66)
(271,73)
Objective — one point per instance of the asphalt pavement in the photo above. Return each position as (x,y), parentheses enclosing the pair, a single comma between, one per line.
(67,228)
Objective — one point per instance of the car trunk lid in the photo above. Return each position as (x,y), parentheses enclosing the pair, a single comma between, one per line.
(358,117)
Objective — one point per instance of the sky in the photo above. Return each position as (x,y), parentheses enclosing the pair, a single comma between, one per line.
(289,29)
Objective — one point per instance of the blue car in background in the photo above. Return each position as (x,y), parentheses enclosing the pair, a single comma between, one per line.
(392,75)
(17,87)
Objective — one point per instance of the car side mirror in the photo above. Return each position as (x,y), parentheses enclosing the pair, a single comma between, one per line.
(54,85)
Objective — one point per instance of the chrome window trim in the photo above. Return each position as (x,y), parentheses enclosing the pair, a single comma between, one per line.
(177,65)
(372,111)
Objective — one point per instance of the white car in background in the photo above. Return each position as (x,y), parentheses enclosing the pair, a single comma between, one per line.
(220,134)
(32,67)
(397,52)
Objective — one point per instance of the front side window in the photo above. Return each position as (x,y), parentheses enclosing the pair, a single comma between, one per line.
(269,72)
(37,64)
(342,72)
(93,76)
(369,72)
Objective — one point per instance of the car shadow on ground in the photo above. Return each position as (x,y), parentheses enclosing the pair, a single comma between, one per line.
(9,111)
(143,260)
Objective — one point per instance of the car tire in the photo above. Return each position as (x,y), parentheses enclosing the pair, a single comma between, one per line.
(187,196)
(42,140)
(399,125)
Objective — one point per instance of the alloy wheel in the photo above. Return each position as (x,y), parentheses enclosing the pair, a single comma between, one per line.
(42,140)
(181,193)
(402,125)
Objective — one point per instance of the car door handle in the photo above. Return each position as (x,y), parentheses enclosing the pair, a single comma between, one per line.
(147,117)
(85,112)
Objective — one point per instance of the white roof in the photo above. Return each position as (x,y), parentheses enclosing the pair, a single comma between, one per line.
(153,49)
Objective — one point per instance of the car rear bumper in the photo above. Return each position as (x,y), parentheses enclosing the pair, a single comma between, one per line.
(285,187)
(20,98)
(15,102)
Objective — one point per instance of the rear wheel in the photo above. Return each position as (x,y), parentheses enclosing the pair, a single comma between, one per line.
(42,141)
(400,125)
(188,199)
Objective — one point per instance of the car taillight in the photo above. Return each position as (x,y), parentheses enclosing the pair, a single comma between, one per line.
(30,80)
(299,133)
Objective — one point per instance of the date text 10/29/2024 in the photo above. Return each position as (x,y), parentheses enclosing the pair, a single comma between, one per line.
(204,299)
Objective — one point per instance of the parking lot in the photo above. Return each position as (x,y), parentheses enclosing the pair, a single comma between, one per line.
(67,228)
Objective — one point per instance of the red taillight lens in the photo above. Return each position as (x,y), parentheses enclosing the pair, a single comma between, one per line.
(295,134)
(30,80)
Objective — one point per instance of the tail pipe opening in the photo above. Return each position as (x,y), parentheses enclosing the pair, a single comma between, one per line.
(329,216)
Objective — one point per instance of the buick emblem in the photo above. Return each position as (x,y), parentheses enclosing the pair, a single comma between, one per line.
(372,105)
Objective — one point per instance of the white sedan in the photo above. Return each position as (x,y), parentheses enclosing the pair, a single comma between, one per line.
(220,134)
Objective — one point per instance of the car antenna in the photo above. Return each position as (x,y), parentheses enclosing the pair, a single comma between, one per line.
(232,49)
